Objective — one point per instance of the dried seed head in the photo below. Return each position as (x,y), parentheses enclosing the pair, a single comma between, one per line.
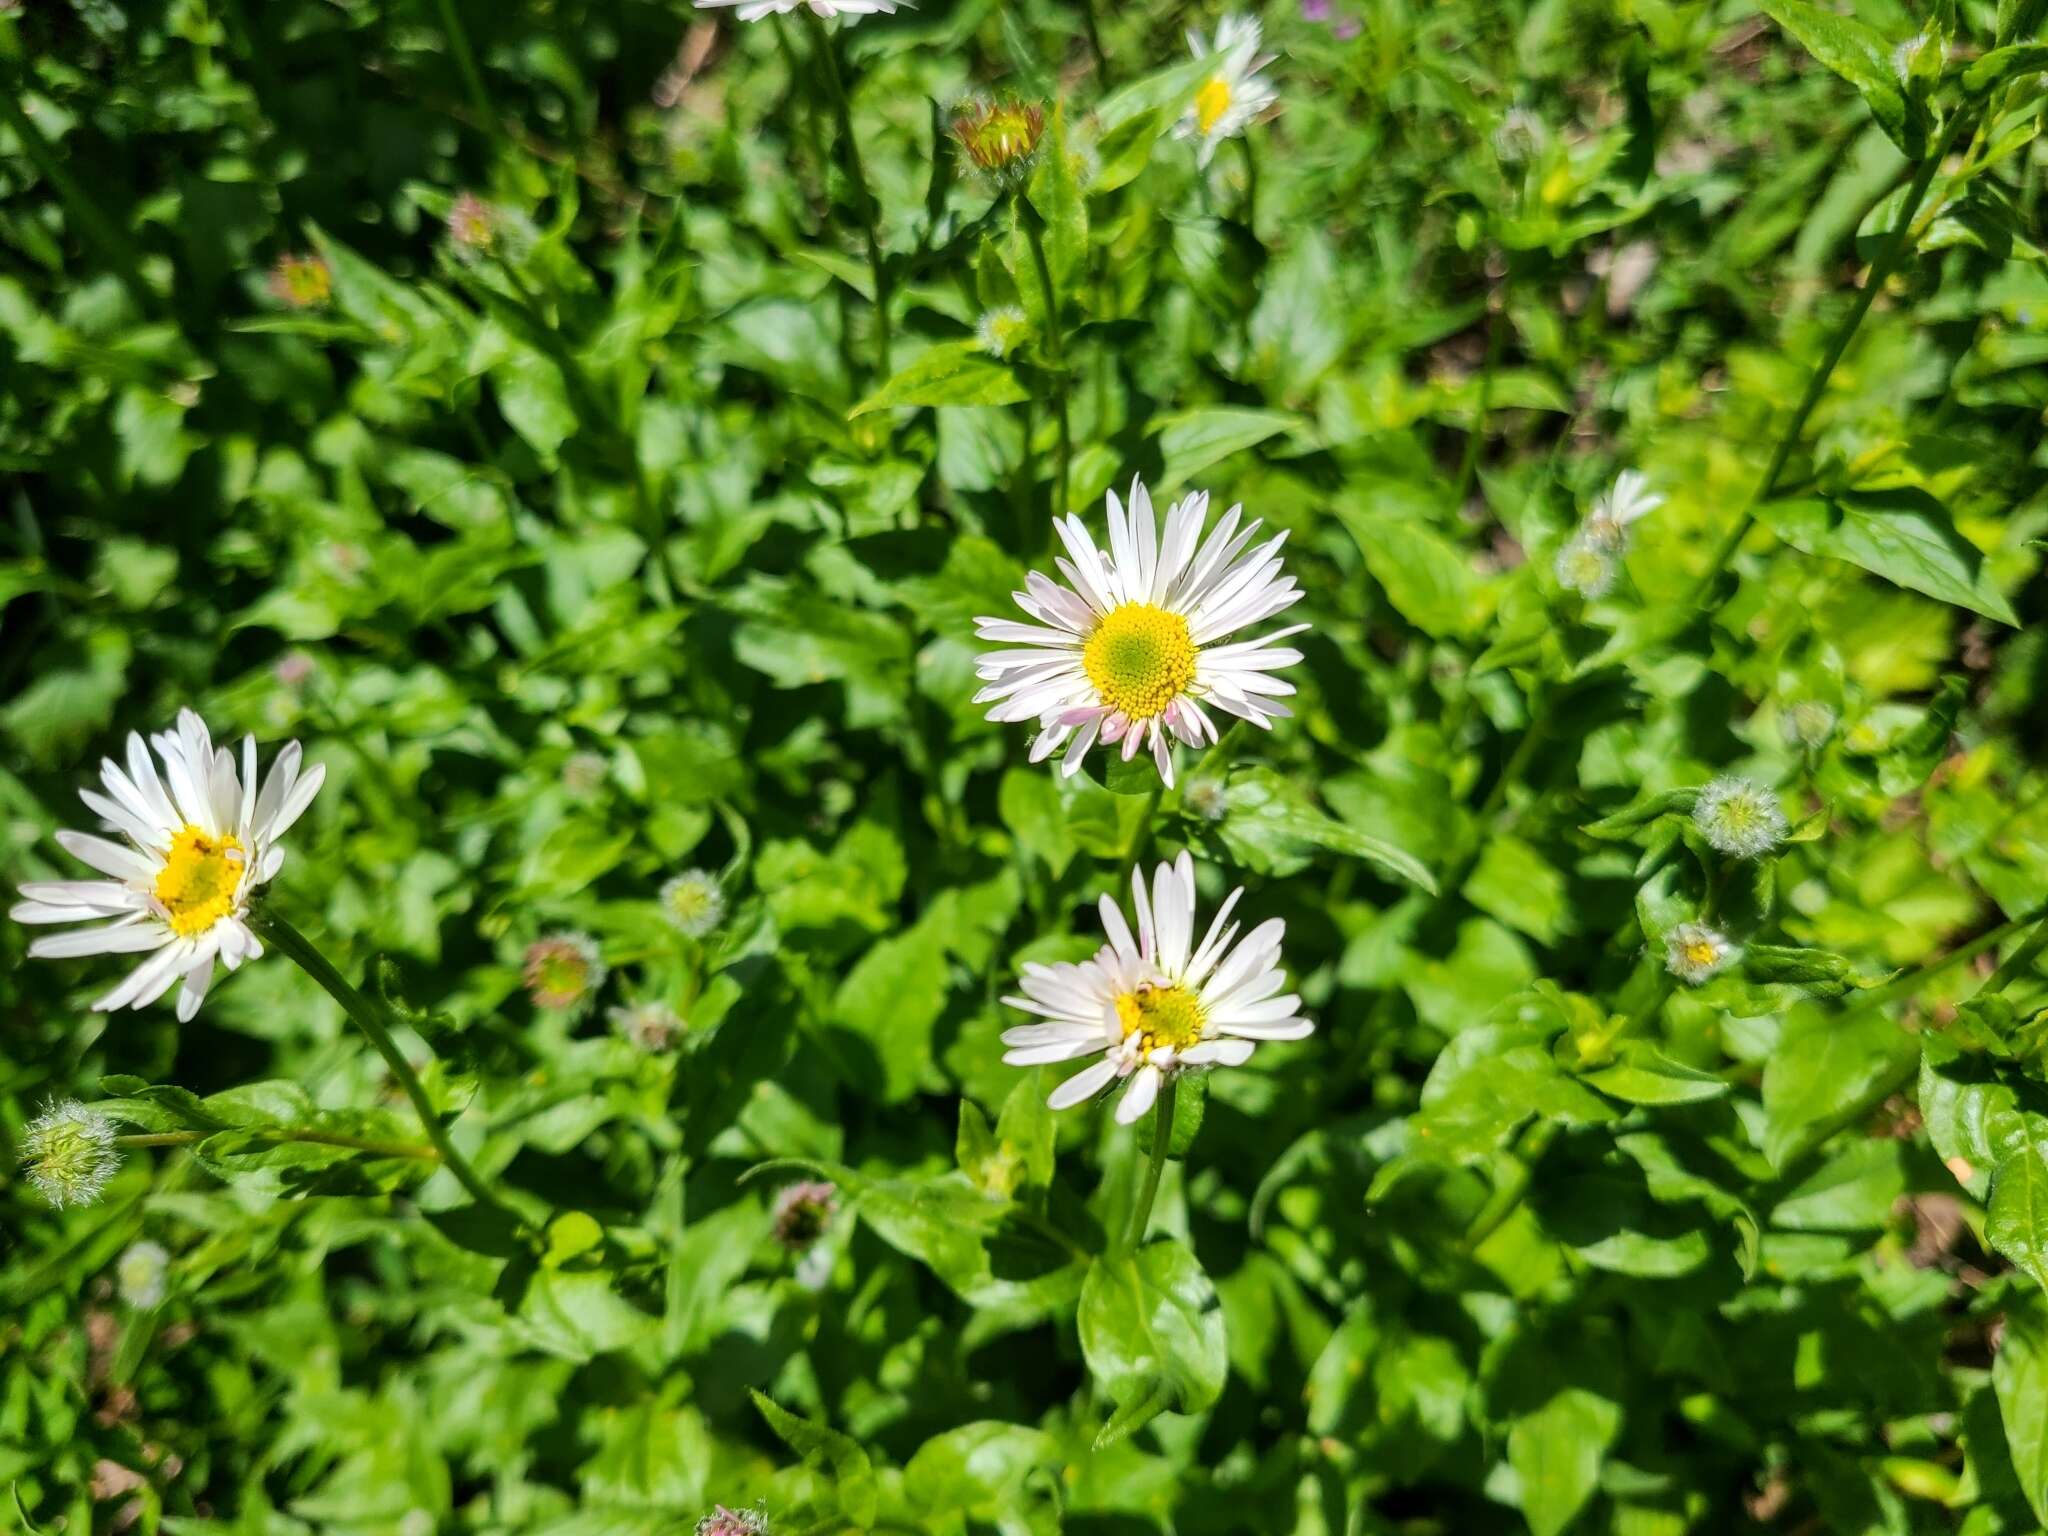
(1738,818)
(693,902)
(801,1212)
(68,1154)
(141,1274)
(563,971)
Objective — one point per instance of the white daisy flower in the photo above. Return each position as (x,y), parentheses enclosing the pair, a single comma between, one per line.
(1627,501)
(200,840)
(1157,1004)
(1233,93)
(852,10)
(1693,952)
(1128,651)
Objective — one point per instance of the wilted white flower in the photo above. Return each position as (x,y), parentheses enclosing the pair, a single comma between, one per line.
(651,1026)
(141,1274)
(1128,651)
(68,1153)
(1627,502)
(693,902)
(852,10)
(1002,330)
(1585,566)
(733,1522)
(1693,952)
(801,1212)
(563,971)
(583,774)
(1738,818)
(201,839)
(1234,92)
(1208,799)
(1158,1003)
(1808,723)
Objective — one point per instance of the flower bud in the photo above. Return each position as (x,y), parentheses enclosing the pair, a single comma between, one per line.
(301,282)
(472,222)
(1001,136)
(693,902)
(733,1522)
(1002,330)
(68,1153)
(563,971)
(1738,818)
(1693,952)
(801,1212)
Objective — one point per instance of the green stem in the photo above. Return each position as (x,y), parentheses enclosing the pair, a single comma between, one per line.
(1141,839)
(1511,772)
(1088,20)
(2019,962)
(369,1019)
(1496,328)
(1880,271)
(856,174)
(284,1133)
(465,61)
(1510,1192)
(1162,1138)
(1055,345)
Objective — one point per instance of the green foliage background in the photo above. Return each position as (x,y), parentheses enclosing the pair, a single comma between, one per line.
(1469,1258)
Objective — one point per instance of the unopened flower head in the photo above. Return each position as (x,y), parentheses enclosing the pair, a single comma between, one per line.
(301,281)
(292,668)
(653,1027)
(200,839)
(141,1274)
(1233,92)
(1132,649)
(801,1212)
(693,902)
(757,10)
(472,222)
(1002,330)
(1808,723)
(1153,1002)
(1586,566)
(68,1153)
(1000,135)
(733,1522)
(563,971)
(583,774)
(1625,503)
(1693,952)
(1739,818)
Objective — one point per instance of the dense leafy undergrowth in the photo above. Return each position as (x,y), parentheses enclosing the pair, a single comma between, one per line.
(593,431)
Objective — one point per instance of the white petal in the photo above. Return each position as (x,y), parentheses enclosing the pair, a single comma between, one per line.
(1139,1096)
(123,938)
(1082,1085)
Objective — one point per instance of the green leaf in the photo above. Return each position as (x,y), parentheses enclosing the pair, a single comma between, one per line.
(1056,195)
(1272,826)
(2019,1374)
(950,373)
(978,1469)
(1825,1072)
(2016,1218)
(1642,1074)
(1152,1327)
(1861,56)
(1426,577)
(827,1451)
(1193,440)
(1126,150)
(1190,1103)
(2003,64)
(1903,535)
(1556,1452)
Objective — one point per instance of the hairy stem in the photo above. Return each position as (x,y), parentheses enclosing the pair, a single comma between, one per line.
(856,174)
(284,1133)
(369,1018)
(1055,344)
(1162,1138)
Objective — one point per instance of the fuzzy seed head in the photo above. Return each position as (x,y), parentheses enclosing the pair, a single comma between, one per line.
(1693,952)
(1585,566)
(693,902)
(141,1274)
(733,1522)
(801,1212)
(563,971)
(472,222)
(68,1154)
(1739,818)
(653,1027)
(1002,330)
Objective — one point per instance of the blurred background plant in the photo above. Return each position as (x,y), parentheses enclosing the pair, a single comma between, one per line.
(597,455)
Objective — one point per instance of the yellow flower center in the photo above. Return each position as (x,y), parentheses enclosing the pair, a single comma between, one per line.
(1160,1016)
(199,879)
(1700,954)
(1140,659)
(1211,102)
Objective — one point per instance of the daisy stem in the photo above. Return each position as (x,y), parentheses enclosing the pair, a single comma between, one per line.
(1141,835)
(368,1017)
(465,61)
(1162,1138)
(282,1133)
(1880,271)
(2019,961)
(1055,344)
(856,174)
